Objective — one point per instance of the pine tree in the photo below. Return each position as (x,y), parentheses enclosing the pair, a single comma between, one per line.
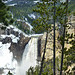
(5,15)
(62,19)
(2,11)
(54,39)
(42,24)
(63,42)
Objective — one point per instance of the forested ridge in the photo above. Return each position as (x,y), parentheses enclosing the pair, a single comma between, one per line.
(23,10)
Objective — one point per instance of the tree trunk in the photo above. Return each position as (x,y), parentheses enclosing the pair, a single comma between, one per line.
(74,33)
(42,62)
(63,42)
(54,43)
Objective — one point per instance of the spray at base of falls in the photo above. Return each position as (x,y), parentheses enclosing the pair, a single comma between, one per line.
(6,59)
(29,57)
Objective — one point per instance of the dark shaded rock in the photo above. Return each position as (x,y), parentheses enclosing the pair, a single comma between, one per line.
(18,48)
(6,40)
(11,31)
(1,71)
(21,36)
(7,32)
(39,47)
(16,33)
(39,50)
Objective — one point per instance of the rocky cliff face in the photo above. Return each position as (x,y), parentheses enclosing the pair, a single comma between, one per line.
(17,39)
(49,46)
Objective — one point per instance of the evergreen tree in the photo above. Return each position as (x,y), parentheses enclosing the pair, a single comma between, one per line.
(5,15)
(54,38)
(42,24)
(64,30)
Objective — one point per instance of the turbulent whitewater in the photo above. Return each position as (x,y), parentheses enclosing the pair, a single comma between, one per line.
(7,63)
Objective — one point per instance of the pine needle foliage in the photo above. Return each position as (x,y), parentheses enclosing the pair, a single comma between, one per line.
(5,15)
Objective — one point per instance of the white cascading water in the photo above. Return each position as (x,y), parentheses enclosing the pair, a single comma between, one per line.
(7,63)
(29,57)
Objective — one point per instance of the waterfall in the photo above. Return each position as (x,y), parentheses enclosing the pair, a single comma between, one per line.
(29,57)
(10,52)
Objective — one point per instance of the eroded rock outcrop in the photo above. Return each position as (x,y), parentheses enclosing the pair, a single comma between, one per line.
(18,41)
